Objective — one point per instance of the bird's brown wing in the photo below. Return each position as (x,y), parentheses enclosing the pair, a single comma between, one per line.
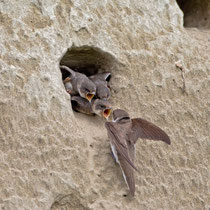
(128,174)
(146,130)
(119,141)
(81,105)
(127,169)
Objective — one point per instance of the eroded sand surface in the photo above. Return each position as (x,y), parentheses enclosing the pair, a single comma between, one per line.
(53,158)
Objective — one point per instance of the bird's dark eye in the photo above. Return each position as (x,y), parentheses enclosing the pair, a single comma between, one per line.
(87,90)
(103,107)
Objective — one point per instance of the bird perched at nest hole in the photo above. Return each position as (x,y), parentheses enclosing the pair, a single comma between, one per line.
(99,107)
(68,85)
(80,84)
(101,81)
(123,133)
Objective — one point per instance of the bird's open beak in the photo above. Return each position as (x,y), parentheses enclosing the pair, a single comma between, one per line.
(89,96)
(106,113)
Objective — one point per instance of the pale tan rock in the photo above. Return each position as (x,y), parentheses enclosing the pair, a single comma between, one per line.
(53,158)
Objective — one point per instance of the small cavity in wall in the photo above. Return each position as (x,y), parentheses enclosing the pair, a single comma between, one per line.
(87,60)
(196,13)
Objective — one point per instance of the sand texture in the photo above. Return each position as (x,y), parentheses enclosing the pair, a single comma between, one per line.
(54,158)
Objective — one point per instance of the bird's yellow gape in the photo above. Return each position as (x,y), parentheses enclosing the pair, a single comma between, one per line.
(106,113)
(89,96)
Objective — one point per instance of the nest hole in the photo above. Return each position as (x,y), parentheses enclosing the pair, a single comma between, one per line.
(196,13)
(87,60)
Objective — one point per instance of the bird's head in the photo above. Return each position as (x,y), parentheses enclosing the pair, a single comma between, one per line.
(102,108)
(103,92)
(106,76)
(120,115)
(87,89)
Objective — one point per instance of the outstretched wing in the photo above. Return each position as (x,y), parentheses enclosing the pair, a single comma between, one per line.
(146,130)
(119,141)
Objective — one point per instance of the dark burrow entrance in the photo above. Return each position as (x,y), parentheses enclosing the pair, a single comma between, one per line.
(87,60)
(196,13)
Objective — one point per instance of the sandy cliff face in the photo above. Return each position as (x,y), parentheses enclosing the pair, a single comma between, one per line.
(52,158)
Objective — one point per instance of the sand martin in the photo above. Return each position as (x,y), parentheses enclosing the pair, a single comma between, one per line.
(80,83)
(101,81)
(102,108)
(123,133)
(68,85)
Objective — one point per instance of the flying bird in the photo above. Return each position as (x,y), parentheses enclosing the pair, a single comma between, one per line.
(102,108)
(101,81)
(123,133)
(80,84)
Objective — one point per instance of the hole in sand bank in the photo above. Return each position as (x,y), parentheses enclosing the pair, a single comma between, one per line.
(87,60)
(89,95)
(196,13)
